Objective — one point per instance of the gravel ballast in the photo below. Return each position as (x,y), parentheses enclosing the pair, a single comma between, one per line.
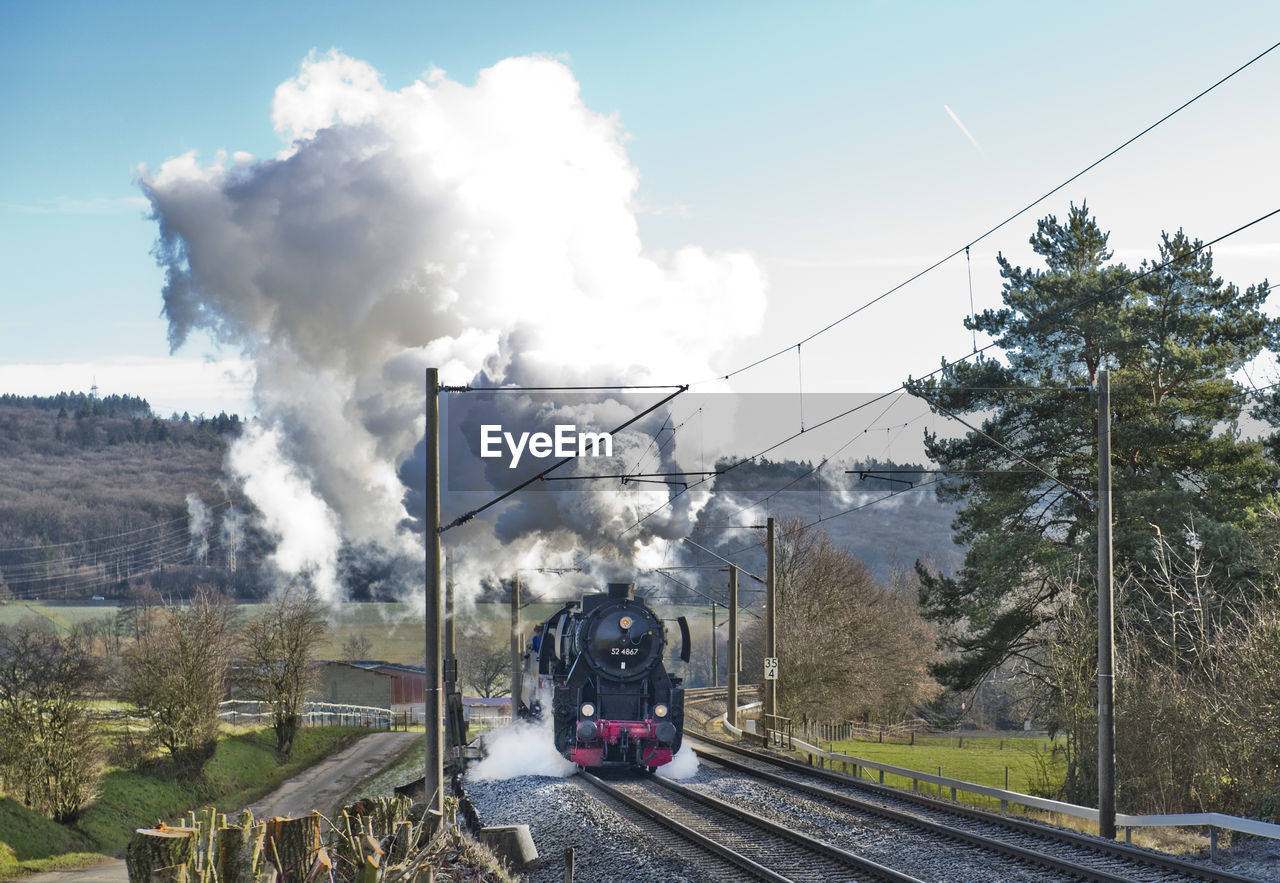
(561,815)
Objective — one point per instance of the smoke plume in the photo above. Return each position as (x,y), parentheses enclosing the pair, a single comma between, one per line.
(488,230)
(198,521)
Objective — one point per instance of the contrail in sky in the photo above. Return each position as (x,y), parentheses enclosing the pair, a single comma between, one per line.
(955,119)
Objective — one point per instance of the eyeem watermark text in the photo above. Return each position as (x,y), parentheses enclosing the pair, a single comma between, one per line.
(566,441)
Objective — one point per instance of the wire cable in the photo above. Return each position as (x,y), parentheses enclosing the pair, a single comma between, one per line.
(1019,213)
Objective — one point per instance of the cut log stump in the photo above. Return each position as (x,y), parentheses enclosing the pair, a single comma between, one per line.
(293,844)
(161,855)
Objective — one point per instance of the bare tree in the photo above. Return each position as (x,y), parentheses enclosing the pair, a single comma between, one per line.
(176,674)
(356,648)
(50,757)
(279,649)
(134,616)
(848,646)
(483,667)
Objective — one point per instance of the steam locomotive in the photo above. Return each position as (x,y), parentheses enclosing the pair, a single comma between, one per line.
(599,662)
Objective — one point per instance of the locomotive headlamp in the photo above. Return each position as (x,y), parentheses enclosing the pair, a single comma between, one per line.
(659,710)
(588,710)
(625,622)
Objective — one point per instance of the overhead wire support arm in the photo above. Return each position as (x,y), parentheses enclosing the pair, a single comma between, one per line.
(722,558)
(1074,491)
(627,476)
(558,388)
(467,516)
(883,474)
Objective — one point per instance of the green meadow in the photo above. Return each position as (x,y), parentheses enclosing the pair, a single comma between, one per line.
(1032,766)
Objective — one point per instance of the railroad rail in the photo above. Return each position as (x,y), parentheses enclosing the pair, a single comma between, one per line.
(754,847)
(1062,852)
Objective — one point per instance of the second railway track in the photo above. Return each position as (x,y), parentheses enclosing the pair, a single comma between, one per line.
(1014,849)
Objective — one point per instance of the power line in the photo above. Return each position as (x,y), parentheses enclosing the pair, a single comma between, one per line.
(1074,491)
(1005,222)
(124,533)
(467,516)
(911,385)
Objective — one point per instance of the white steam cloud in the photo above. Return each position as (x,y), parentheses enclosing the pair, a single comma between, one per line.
(305,528)
(486,230)
(521,748)
(198,521)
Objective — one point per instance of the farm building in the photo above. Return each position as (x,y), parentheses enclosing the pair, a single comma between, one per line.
(408,682)
(345,684)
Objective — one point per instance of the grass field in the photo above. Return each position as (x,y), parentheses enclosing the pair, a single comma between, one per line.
(983,760)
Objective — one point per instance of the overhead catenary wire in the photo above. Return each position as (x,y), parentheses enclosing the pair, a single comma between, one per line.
(1019,213)
(467,516)
(911,385)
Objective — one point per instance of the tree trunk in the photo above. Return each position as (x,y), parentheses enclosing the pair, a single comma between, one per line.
(291,844)
(240,850)
(161,854)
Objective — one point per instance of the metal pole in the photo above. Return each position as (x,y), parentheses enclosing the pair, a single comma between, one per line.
(1106,627)
(733,645)
(433,715)
(449,630)
(516,667)
(450,666)
(715,662)
(771,621)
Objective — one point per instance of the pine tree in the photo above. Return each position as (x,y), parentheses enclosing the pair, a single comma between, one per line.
(1172,335)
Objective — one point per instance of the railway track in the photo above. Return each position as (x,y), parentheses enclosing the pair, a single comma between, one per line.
(744,844)
(841,801)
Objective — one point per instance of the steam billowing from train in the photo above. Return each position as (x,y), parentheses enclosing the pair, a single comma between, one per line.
(486,229)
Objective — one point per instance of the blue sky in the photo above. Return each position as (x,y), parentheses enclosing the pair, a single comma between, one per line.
(815,136)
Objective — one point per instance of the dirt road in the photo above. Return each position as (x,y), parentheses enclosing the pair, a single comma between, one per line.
(319,787)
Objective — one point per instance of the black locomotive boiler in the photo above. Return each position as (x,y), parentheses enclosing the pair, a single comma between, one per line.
(599,662)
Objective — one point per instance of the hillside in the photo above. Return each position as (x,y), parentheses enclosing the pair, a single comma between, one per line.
(94,494)
(98,495)
(888,520)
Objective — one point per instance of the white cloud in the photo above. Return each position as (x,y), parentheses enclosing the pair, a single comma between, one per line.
(488,227)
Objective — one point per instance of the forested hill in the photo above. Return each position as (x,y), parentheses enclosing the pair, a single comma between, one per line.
(82,404)
(887,515)
(93,495)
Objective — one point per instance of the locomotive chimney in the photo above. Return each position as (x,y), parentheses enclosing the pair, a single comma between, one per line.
(620,591)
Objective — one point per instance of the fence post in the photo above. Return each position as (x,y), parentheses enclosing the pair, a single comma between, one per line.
(1004,803)
(1213,843)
